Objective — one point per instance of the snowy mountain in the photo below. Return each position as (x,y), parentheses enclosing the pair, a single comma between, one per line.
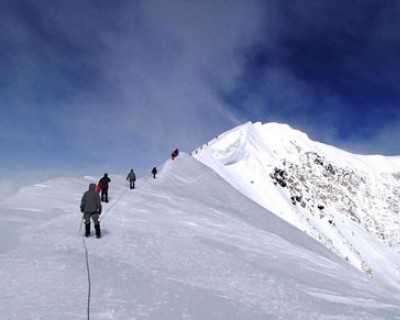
(187,245)
(350,203)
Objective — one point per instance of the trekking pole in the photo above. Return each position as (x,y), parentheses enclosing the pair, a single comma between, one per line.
(80,227)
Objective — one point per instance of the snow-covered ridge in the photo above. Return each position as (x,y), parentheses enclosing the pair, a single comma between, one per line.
(336,197)
(185,245)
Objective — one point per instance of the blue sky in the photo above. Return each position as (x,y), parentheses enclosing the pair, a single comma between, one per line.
(94,86)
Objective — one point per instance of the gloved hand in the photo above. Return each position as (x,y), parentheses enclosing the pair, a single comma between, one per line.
(99,211)
(82,210)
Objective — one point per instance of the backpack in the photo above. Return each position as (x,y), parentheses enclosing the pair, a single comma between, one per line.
(99,187)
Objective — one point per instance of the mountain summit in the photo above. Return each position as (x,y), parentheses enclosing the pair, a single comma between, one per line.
(348,202)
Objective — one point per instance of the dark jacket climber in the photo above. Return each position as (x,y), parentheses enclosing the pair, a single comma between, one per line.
(154,172)
(91,209)
(174,154)
(132,178)
(104,187)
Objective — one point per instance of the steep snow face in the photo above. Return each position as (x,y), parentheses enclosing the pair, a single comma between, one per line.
(338,198)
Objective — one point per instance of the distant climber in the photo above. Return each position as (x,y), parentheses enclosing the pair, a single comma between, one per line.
(132,178)
(154,172)
(91,209)
(104,187)
(174,154)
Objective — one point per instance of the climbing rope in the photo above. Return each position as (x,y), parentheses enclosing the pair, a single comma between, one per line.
(88,275)
(115,202)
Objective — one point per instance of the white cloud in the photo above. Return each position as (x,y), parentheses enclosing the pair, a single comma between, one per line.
(167,67)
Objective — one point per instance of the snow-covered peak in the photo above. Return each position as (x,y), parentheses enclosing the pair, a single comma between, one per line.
(348,202)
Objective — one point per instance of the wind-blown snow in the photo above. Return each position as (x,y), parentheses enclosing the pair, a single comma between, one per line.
(183,246)
(350,203)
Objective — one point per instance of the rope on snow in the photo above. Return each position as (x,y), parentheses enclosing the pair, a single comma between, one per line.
(115,202)
(88,275)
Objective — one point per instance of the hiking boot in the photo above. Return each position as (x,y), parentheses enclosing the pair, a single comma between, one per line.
(98,232)
(87,233)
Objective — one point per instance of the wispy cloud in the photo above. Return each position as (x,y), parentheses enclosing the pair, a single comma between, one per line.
(115,85)
(101,79)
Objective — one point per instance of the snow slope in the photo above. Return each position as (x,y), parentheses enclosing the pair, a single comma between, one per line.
(350,203)
(183,246)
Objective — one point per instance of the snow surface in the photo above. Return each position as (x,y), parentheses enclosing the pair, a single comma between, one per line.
(285,172)
(183,246)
